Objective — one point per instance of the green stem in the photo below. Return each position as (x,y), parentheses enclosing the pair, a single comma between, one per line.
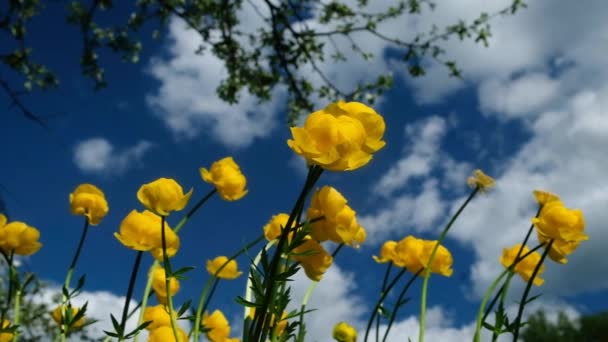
(17,313)
(68,278)
(210,286)
(168,275)
(524,297)
(427,270)
(380,300)
(134,272)
(384,280)
(399,303)
(192,211)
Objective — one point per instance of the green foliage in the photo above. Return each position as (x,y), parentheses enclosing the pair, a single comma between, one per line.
(256,62)
(592,328)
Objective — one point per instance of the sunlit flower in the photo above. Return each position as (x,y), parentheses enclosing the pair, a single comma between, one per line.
(414,254)
(340,137)
(227,177)
(387,252)
(544,197)
(3,220)
(272,230)
(165,334)
(142,232)
(526,266)
(339,223)
(559,248)
(481,180)
(163,196)
(219,328)
(18,237)
(6,336)
(159,286)
(555,221)
(280,327)
(90,201)
(313,257)
(158,315)
(230,271)
(70,313)
(344,332)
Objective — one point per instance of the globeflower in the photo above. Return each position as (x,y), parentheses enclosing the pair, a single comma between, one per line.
(344,332)
(165,334)
(163,196)
(340,137)
(555,221)
(160,287)
(158,315)
(230,271)
(387,252)
(219,328)
(142,232)
(6,336)
(414,255)
(71,312)
(272,230)
(313,257)
(544,197)
(559,248)
(339,223)
(227,178)
(526,266)
(481,180)
(90,201)
(18,237)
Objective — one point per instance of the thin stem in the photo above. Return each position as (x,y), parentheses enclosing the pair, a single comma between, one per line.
(125,310)
(427,270)
(380,300)
(190,213)
(17,312)
(168,275)
(524,297)
(399,303)
(384,280)
(83,236)
(11,275)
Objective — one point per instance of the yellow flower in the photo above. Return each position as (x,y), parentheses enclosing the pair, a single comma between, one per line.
(3,220)
(18,237)
(230,271)
(90,201)
(555,221)
(279,328)
(142,232)
(544,197)
(339,223)
(227,177)
(341,137)
(158,315)
(387,252)
(165,334)
(481,180)
(414,254)
(313,257)
(71,312)
(163,196)
(218,325)
(559,248)
(6,336)
(525,267)
(272,230)
(344,332)
(160,288)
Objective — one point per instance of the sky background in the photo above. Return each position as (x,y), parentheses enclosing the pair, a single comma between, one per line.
(531,111)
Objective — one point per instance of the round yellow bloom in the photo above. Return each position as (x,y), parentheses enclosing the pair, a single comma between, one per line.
(280,327)
(6,336)
(387,252)
(142,232)
(272,230)
(313,257)
(555,221)
(158,315)
(559,248)
(414,254)
(525,267)
(230,271)
(165,334)
(3,220)
(341,137)
(160,288)
(218,325)
(90,201)
(344,332)
(20,238)
(339,224)
(544,197)
(58,317)
(481,180)
(227,177)
(163,196)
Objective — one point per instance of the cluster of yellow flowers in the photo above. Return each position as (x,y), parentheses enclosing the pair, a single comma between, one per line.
(414,255)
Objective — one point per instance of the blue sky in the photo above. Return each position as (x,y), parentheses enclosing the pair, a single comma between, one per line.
(531,111)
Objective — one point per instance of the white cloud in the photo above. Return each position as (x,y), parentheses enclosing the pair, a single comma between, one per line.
(98,156)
